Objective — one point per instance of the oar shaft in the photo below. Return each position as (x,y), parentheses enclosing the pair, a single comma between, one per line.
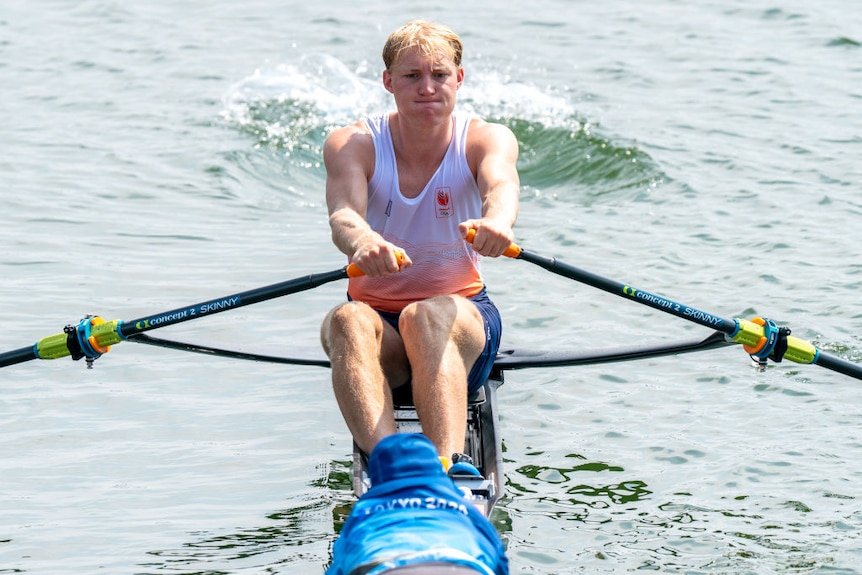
(748,333)
(840,365)
(17,356)
(93,336)
(658,302)
(230,302)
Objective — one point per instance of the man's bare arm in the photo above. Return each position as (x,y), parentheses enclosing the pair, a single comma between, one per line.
(493,150)
(349,158)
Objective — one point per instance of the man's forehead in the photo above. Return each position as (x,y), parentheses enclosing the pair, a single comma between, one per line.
(416,58)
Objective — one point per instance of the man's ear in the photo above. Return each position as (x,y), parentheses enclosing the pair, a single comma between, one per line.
(387,80)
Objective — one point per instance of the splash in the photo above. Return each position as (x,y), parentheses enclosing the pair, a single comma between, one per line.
(291,108)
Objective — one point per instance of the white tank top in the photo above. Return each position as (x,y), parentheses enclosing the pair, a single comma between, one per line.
(426,226)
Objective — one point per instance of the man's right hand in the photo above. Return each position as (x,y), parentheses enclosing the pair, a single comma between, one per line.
(381,259)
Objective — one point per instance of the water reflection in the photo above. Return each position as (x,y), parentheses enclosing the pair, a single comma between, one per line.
(562,518)
(590,514)
(297,538)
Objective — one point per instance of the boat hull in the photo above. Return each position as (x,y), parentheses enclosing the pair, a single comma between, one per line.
(483,444)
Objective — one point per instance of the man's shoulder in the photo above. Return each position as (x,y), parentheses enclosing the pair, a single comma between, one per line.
(359,128)
(354,137)
(483,136)
(482,128)
(364,127)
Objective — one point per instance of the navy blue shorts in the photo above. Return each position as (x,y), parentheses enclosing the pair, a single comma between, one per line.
(493,331)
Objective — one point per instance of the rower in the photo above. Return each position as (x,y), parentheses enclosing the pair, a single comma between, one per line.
(403,189)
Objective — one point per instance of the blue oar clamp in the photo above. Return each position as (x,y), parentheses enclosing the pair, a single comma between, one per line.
(772,345)
(81,342)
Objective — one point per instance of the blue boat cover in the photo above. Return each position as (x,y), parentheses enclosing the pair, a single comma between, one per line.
(414,514)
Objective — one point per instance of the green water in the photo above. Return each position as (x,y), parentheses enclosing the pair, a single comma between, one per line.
(159,154)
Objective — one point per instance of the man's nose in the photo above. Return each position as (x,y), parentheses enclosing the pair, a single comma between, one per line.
(426,85)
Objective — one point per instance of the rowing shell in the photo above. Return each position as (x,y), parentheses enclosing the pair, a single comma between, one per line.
(483,444)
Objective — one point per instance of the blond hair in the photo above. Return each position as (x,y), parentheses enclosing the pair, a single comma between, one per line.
(431,38)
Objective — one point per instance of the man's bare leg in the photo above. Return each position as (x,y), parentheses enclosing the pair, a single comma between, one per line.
(443,337)
(367,358)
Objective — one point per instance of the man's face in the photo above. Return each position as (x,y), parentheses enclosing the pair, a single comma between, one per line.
(424,84)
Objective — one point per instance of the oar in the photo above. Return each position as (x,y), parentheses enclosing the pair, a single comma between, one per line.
(526,358)
(760,337)
(93,336)
(507,359)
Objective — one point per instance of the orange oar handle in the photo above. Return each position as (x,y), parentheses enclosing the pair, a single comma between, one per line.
(353,270)
(512,251)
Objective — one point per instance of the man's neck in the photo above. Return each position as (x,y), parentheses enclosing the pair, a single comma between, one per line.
(420,141)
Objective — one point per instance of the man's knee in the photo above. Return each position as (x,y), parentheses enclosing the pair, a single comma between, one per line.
(348,320)
(451,317)
(438,312)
